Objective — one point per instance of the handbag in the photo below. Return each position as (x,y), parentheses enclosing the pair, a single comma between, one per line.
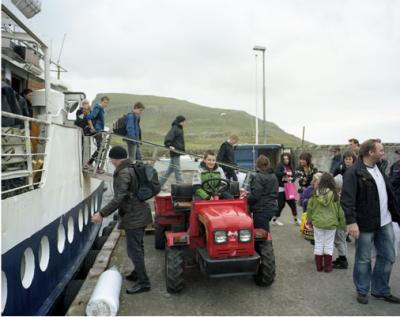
(290,191)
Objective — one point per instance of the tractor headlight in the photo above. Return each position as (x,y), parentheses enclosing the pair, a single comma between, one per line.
(244,235)
(220,236)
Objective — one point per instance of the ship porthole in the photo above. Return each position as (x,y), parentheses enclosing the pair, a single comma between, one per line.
(27,268)
(70,229)
(92,209)
(44,253)
(86,211)
(3,290)
(60,238)
(80,220)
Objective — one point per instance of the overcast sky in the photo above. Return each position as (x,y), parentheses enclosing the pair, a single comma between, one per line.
(332,66)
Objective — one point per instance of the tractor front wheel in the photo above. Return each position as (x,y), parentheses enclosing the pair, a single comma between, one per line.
(159,237)
(173,269)
(266,272)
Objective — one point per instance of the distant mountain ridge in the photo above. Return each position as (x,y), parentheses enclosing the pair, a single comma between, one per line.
(207,127)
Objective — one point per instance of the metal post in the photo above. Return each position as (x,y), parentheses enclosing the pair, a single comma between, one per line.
(264,123)
(302,138)
(47,86)
(256,103)
(262,49)
(28,153)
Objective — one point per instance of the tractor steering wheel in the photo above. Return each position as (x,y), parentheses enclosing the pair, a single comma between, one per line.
(214,187)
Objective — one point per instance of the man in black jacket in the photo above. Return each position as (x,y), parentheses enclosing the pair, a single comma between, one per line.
(394,177)
(134,214)
(226,155)
(81,117)
(174,140)
(263,196)
(369,205)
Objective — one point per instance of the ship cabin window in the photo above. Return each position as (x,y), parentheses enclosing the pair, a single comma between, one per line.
(44,253)
(80,220)
(71,228)
(27,268)
(4,289)
(60,238)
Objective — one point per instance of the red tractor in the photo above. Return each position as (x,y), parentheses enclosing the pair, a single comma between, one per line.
(219,234)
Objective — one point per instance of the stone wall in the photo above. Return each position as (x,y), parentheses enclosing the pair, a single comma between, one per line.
(322,155)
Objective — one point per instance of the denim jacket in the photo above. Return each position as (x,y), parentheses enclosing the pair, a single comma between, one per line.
(97,117)
(133,126)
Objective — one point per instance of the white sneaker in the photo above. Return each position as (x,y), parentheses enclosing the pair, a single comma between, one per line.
(278,223)
(297,222)
(273,221)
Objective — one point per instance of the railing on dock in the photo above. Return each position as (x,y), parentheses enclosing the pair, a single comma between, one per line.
(22,154)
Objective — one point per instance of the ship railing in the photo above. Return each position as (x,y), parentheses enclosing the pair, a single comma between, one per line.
(22,154)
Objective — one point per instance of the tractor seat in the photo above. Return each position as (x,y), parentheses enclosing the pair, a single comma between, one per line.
(234,189)
(182,195)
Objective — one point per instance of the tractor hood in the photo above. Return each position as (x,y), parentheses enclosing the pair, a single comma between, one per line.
(225,217)
(230,216)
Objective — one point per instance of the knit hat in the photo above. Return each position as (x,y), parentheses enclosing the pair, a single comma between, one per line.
(180,119)
(118,153)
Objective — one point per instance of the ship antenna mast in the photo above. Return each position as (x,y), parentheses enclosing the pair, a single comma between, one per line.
(59,57)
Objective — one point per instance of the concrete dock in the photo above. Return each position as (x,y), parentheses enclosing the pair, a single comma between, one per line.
(297,290)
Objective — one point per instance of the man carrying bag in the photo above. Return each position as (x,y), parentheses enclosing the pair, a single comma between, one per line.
(134,214)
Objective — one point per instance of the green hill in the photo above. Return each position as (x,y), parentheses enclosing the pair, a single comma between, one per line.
(207,127)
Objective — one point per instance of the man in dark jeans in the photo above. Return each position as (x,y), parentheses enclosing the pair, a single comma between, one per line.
(369,204)
(134,214)
(133,131)
(226,155)
(175,140)
(96,123)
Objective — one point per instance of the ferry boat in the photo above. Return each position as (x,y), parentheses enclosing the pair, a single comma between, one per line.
(47,199)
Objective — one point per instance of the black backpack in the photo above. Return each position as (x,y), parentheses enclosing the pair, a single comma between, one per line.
(119,125)
(147,184)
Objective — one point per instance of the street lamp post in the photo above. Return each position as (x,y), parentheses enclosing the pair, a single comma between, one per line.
(256,102)
(262,49)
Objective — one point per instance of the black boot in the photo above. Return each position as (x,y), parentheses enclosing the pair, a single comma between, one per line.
(340,263)
(137,288)
(132,276)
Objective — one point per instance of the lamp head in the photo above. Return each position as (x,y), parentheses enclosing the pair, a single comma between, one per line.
(259,48)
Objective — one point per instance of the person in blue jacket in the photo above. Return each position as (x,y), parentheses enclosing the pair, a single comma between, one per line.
(96,123)
(133,131)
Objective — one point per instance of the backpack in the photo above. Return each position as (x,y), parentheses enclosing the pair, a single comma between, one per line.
(119,125)
(147,185)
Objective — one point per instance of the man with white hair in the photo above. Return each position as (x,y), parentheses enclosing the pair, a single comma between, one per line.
(81,117)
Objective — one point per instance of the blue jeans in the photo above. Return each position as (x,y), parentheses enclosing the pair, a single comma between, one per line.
(134,151)
(174,166)
(378,279)
(135,249)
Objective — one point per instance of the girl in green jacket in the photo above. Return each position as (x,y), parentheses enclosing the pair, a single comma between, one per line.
(326,215)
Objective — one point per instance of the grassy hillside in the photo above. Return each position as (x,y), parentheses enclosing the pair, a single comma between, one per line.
(207,127)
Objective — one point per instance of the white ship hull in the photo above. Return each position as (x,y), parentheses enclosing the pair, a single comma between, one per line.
(47,232)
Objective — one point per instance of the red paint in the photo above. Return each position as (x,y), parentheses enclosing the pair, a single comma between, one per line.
(230,215)
(170,238)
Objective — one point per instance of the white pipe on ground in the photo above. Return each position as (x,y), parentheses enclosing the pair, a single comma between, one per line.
(105,297)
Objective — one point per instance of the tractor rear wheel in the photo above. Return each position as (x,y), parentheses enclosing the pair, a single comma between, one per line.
(159,237)
(266,272)
(173,269)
